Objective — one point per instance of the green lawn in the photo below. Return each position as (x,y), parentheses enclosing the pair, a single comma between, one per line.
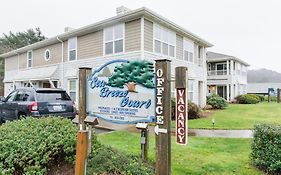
(203,156)
(240,116)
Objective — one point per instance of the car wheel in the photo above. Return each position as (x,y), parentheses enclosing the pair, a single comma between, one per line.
(21,115)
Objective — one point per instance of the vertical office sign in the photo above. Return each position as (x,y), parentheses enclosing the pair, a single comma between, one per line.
(163,117)
(181,106)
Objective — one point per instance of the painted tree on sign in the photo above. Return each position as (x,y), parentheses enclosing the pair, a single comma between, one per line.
(132,73)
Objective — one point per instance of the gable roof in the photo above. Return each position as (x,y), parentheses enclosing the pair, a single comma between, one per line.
(130,15)
(215,57)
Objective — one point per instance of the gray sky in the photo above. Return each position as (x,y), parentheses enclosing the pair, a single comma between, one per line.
(247,29)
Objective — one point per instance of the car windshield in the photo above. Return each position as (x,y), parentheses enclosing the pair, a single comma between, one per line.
(52,96)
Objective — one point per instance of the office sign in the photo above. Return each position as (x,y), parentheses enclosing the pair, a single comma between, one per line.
(122,92)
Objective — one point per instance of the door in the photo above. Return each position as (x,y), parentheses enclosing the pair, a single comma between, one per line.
(9,107)
(221,91)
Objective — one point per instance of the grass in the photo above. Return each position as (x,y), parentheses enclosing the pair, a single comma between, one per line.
(240,116)
(202,156)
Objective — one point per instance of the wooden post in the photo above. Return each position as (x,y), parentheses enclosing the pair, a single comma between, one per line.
(278,95)
(181,106)
(268,96)
(144,144)
(163,117)
(82,137)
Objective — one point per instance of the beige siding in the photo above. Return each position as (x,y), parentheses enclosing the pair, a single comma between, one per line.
(179,47)
(11,63)
(90,45)
(133,35)
(148,36)
(39,55)
(23,61)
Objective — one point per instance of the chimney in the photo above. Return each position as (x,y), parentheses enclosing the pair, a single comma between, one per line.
(67,29)
(121,10)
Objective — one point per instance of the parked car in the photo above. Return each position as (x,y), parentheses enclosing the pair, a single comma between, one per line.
(36,103)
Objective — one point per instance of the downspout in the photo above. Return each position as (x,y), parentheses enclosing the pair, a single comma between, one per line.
(62,64)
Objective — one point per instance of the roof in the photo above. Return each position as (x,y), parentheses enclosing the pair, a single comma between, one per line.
(132,14)
(42,73)
(214,57)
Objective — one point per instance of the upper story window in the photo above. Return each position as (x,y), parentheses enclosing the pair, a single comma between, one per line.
(114,39)
(47,55)
(164,41)
(190,90)
(29,59)
(72,49)
(188,49)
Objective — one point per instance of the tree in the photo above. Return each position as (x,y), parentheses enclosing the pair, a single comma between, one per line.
(17,40)
(138,71)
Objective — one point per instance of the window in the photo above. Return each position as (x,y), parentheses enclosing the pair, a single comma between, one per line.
(29,59)
(164,41)
(52,96)
(72,49)
(47,55)
(114,39)
(188,49)
(11,96)
(22,96)
(221,68)
(72,88)
(190,90)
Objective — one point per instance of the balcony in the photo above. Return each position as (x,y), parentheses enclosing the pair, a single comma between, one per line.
(217,72)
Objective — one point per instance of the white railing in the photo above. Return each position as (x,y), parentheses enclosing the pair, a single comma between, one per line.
(217,72)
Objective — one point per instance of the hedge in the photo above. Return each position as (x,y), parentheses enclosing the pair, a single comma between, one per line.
(193,110)
(31,145)
(248,99)
(216,101)
(266,148)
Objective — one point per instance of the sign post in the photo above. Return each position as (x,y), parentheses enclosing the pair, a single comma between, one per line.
(181,106)
(278,95)
(163,117)
(82,136)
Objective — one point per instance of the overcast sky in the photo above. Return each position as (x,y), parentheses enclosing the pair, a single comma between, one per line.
(247,29)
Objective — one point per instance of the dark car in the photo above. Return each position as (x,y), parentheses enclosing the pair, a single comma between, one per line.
(36,103)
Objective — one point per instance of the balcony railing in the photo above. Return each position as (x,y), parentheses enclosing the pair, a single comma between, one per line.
(217,72)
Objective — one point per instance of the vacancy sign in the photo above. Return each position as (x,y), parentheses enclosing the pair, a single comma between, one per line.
(181,116)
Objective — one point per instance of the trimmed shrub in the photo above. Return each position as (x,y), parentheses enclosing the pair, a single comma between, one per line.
(29,145)
(248,99)
(193,110)
(216,102)
(262,97)
(266,148)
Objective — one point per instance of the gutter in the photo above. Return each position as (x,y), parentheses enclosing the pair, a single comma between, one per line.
(62,63)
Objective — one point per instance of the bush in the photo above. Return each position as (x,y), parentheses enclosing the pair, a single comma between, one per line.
(193,110)
(29,145)
(266,148)
(262,97)
(216,102)
(248,99)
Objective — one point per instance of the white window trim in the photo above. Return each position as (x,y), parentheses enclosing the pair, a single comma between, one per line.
(75,38)
(47,59)
(154,38)
(76,90)
(188,40)
(188,90)
(30,51)
(113,45)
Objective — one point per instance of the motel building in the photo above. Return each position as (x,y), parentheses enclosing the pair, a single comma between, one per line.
(227,75)
(131,34)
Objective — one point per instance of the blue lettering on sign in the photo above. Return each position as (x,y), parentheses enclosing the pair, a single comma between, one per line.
(135,103)
(105,92)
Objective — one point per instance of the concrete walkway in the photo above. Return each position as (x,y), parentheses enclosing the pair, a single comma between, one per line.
(107,127)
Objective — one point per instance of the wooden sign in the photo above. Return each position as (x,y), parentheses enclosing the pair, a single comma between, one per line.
(163,117)
(181,106)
